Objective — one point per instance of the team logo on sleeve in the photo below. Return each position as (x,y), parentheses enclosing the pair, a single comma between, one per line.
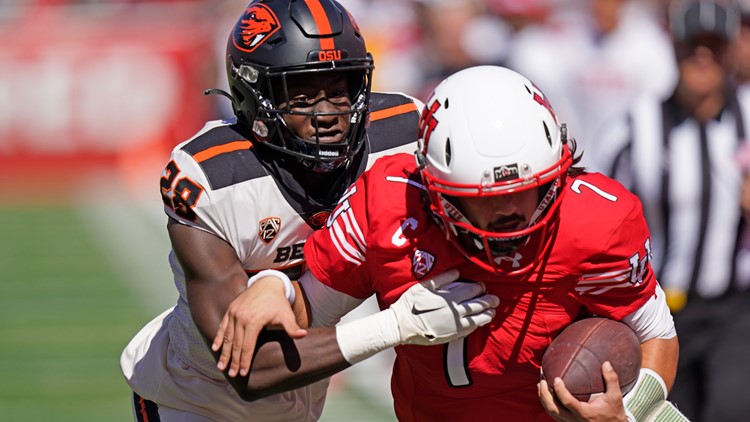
(422,263)
(257,24)
(268,228)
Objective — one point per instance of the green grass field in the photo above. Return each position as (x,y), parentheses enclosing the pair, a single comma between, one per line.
(64,318)
(74,288)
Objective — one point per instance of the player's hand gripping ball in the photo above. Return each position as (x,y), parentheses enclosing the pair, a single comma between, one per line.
(576,355)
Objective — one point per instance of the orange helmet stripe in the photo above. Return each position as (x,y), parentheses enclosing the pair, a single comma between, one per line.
(322,22)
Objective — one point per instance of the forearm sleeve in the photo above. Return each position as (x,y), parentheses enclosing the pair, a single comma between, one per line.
(326,305)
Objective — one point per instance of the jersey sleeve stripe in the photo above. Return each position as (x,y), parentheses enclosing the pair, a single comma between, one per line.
(605,276)
(593,282)
(354,230)
(344,248)
(597,290)
(346,244)
(392,111)
(221,149)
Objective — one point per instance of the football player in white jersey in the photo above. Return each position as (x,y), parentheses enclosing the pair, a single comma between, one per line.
(243,195)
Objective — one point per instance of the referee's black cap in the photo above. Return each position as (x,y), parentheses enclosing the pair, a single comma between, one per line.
(691,19)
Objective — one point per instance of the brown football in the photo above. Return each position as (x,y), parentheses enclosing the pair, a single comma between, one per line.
(576,355)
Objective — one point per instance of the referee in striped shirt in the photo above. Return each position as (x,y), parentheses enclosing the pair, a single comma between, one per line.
(680,156)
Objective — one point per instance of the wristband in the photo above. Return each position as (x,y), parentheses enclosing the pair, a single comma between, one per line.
(648,391)
(362,338)
(288,288)
(665,411)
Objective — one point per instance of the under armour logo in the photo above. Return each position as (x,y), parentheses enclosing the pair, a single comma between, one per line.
(515,259)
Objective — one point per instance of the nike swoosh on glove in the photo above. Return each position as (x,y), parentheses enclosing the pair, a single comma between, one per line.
(441,309)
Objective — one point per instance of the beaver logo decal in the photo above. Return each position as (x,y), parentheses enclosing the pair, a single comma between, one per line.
(257,24)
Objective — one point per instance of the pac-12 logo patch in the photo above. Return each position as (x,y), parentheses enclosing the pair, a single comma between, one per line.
(256,25)
(422,263)
(268,228)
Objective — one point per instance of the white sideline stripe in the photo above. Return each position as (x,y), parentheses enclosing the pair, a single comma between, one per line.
(133,236)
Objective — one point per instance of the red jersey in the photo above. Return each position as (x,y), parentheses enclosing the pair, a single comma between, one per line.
(381,239)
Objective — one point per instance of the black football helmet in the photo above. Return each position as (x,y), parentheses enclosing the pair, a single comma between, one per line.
(275,40)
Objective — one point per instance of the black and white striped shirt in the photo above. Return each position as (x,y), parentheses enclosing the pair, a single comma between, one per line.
(687,176)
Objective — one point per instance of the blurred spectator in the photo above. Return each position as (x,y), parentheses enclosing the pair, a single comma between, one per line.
(455,34)
(593,60)
(392,37)
(519,14)
(680,155)
(741,48)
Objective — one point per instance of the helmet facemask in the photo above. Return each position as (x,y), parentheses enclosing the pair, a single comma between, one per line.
(272,102)
(277,43)
(497,251)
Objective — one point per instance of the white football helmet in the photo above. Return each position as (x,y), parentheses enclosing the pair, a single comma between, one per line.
(485,131)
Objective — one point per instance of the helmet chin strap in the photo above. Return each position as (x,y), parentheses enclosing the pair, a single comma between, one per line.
(546,200)
(453,212)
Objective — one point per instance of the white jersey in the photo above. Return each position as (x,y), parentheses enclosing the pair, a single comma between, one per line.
(217,183)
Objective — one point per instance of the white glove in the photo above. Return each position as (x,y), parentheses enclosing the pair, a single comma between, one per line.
(431,312)
(440,310)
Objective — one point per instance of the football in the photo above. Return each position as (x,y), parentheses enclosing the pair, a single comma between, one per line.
(576,355)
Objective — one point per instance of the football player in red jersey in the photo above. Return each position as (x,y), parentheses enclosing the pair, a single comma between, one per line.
(495,194)
(243,195)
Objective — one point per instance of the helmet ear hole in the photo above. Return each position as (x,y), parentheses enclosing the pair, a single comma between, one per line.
(448,152)
(247,106)
(546,132)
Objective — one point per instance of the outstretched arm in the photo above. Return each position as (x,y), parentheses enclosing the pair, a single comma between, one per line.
(431,312)
(214,277)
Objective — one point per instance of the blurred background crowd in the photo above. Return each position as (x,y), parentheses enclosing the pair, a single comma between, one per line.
(119,81)
(102,90)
